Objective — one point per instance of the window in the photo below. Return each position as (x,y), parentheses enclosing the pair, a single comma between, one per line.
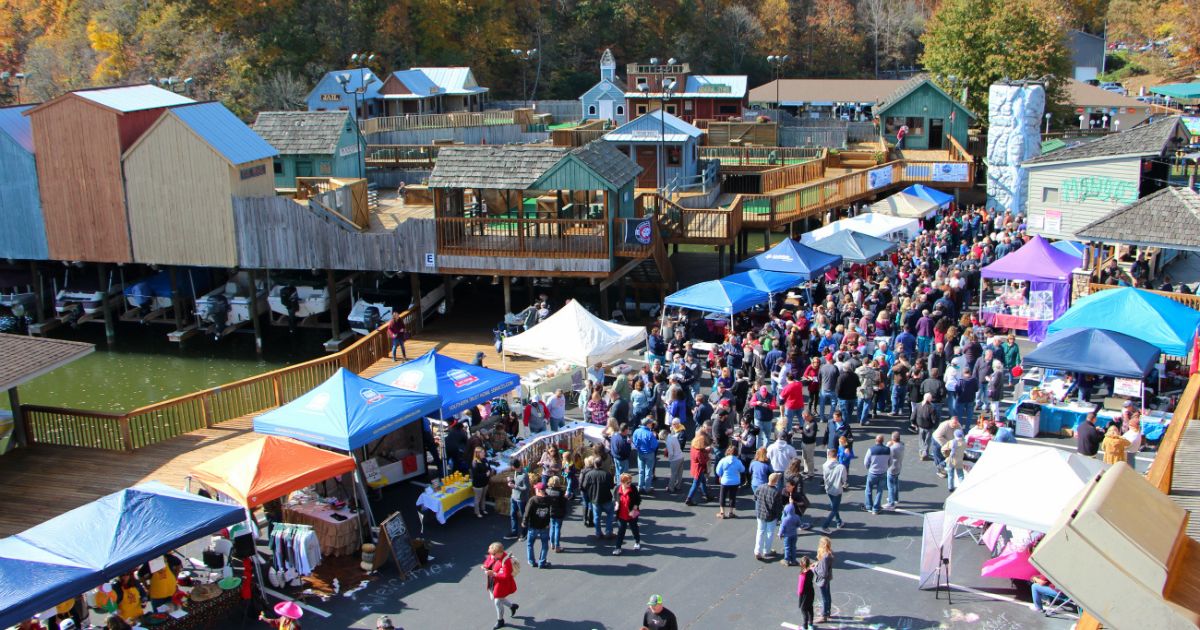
(731,110)
(671,109)
(1049,195)
(674,156)
(326,168)
(278,167)
(687,106)
(620,110)
(916,125)
(641,109)
(641,81)
(591,110)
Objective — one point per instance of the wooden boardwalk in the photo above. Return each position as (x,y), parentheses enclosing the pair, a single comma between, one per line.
(39,483)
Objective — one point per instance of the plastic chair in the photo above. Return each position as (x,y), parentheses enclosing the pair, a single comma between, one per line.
(970,528)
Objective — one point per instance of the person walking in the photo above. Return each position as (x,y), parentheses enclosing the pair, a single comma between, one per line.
(781,453)
(827,377)
(792,396)
(398,332)
(537,525)
(675,457)
(763,407)
(597,484)
(805,590)
(893,471)
(789,526)
(729,473)
(808,443)
(556,493)
(955,453)
(481,476)
(877,460)
(501,572)
(621,449)
(834,476)
(519,484)
(768,509)
(823,575)
(847,391)
(699,456)
(646,445)
(629,502)
(657,616)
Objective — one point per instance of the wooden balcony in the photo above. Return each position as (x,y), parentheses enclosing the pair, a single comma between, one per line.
(407,156)
(442,121)
(492,237)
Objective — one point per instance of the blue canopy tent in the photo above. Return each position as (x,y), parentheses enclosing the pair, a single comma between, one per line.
(92,544)
(1070,247)
(769,281)
(1095,351)
(1161,321)
(792,256)
(854,246)
(718,296)
(934,195)
(459,385)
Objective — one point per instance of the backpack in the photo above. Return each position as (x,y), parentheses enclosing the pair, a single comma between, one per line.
(516,566)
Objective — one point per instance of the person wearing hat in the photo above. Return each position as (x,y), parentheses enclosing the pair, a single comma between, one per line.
(657,616)
(289,616)
(537,525)
(954,450)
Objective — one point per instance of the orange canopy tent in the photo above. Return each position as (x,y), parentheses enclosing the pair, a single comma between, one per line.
(269,468)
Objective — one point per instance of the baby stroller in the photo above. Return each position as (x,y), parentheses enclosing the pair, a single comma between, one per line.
(520,322)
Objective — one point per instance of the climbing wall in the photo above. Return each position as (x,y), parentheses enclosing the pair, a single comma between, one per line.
(1014,135)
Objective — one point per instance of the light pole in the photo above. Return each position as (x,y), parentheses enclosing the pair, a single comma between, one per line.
(524,56)
(364,80)
(1047,122)
(176,85)
(668,88)
(364,69)
(14,81)
(777,62)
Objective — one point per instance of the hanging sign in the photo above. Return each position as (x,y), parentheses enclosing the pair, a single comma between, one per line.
(1131,387)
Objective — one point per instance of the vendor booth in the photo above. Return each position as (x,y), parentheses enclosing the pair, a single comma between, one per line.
(718,296)
(575,336)
(1046,297)
(932,195)
(854,247)
(793,257)
(1153,318)
(1070,247)
(905,206)
(769,281)
(871,224)
(66,556)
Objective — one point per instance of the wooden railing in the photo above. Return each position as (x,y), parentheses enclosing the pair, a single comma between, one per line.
(170,418)
(760,156)
(512,237)
(441,121)
(958,153)
(406,155)
(784,176)
(344,199)
(700,226)
(579,135)
(1186,299)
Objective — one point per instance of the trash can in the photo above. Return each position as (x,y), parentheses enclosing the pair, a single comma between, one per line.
(1028,419)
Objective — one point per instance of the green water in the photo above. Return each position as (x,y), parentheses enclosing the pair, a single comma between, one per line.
(143,367)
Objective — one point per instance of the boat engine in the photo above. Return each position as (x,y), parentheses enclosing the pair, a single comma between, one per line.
(290,298)
(219,313)
(371,318)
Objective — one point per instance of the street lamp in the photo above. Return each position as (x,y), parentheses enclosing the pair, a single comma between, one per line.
(777,62)
(364,80)
(668,89)
(363,60)
(14,81)
(177,85)
(524,56)
(1047,122)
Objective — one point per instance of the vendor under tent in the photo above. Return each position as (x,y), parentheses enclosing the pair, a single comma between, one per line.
(905,206)
(60,559)
(877,225)
(769,281)
(718,296)
(1095,351)
(792,256)
(1048,271)
(1153,318)
(269,468)
(574,335)
(933,195)
(854,247)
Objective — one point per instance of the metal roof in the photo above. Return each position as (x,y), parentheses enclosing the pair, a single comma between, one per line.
(493,167)
(1167,218)
(1143,140)
(653,126)
(705,86)
(416,82)
(802,91)
(329,83)
(302,133)
(134,98)
(224,132)
(24,358)
(1081,94)
(453,80)
(17,126)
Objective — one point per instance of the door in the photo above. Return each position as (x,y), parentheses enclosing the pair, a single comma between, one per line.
(304,168)
(647,159)
(606,110)
(937,133)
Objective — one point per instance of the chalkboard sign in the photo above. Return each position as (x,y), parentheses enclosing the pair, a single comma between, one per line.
(394,531)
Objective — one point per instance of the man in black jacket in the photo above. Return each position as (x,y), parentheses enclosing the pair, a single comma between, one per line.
(537,525)
(1087,436)
(925,417)
(936,386)
(597,485)
(847,390)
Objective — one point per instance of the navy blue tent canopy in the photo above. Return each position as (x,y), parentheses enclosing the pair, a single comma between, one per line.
(1095,351)
(48,564)
(769,281)
(718,296)
(792,256)
(854,246)
(460,385)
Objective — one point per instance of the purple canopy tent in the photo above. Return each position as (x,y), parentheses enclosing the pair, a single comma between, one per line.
(1048,271)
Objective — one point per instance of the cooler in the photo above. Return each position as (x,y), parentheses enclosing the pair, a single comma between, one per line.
(1028,419)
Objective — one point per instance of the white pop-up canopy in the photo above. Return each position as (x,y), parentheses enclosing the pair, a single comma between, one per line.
(573,334)
(905,205)
(871,224)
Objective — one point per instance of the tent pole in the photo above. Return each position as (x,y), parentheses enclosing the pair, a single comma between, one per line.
(362,488)
(445,432)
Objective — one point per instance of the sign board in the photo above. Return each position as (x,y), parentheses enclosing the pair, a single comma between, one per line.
(430,260)
(331,97)
(371,471)
(395,532)
(1131,387)
(1036,222)
(879,178)
(950,172)
(253,171)
(1053,222)
(349,149)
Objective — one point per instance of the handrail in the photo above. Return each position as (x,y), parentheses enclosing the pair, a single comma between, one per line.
(190,412)
(516,237)
(442,121)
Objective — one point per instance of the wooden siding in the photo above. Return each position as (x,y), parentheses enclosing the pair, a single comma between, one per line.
(278,233)
(79,176)
(24,231)
(1116,175)
(185,220)
(926,102)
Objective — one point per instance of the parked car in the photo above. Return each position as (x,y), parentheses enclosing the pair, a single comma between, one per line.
(1115,88)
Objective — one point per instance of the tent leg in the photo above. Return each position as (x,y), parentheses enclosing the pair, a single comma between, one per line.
(362,490)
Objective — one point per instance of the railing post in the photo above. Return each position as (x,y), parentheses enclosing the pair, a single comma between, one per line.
(206,411)
(126,433)
(277,389)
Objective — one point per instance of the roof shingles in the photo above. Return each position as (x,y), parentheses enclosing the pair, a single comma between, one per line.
(1166,218)
(608,162)
(23,358)
(1149,139)
(508,167)
(301,133)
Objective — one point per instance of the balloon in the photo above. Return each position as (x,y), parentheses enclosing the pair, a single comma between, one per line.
(1018,371)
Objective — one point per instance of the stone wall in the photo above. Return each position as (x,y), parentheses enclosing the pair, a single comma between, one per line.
(1014,135)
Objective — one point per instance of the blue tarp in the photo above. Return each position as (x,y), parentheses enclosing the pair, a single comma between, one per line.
(718,296)
(1070,247)
(1095,351)
(48,564)
(1155,319)
(854,246)
(346,412)
(460,385)
(769,281)
(934,195)
(192,282)
(792,256)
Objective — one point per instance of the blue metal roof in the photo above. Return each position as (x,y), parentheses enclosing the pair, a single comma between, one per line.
(416,82)
(134,97)
(224,132)
(17,126)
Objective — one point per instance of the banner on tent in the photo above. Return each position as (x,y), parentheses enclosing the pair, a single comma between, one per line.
(950,172)
(879,178)
(1127,387)
(638,231)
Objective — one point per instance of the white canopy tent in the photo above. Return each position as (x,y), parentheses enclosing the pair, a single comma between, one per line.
(872,224)
(906,206)
(573,334)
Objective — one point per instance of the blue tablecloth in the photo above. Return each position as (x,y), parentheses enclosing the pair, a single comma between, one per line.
(1054,418)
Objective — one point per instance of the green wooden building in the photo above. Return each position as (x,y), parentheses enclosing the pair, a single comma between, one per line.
(312,144)
(932,115)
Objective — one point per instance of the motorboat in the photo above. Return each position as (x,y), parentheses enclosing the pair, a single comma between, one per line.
(230,304)
(297,298)
(154,292)
(367,316)
(82,292)
(16,290)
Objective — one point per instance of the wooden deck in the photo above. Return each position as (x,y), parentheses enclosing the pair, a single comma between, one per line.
(42,482)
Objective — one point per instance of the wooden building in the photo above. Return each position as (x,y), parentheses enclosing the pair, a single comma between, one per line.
(606,99)
(80,138)
(428,90)
(931,114)
(312,144)
(646,138)
(824,98)
(460,91)
(330,95)
(1103,109)
(23,234)
(1075,186)
(180,180)
(694,97)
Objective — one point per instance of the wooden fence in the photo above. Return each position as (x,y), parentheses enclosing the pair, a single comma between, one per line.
(519,237)
(784,176)
(343,199)
(413,156)
(760,156)
(174,417)
(441,121)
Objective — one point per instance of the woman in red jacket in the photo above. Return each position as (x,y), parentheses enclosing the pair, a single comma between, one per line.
(501,580)
(700,455)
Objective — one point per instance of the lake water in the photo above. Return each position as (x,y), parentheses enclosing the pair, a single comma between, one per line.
(142,367)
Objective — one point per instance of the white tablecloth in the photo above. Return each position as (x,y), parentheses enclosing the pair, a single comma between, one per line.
(570,380)
(591,432)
